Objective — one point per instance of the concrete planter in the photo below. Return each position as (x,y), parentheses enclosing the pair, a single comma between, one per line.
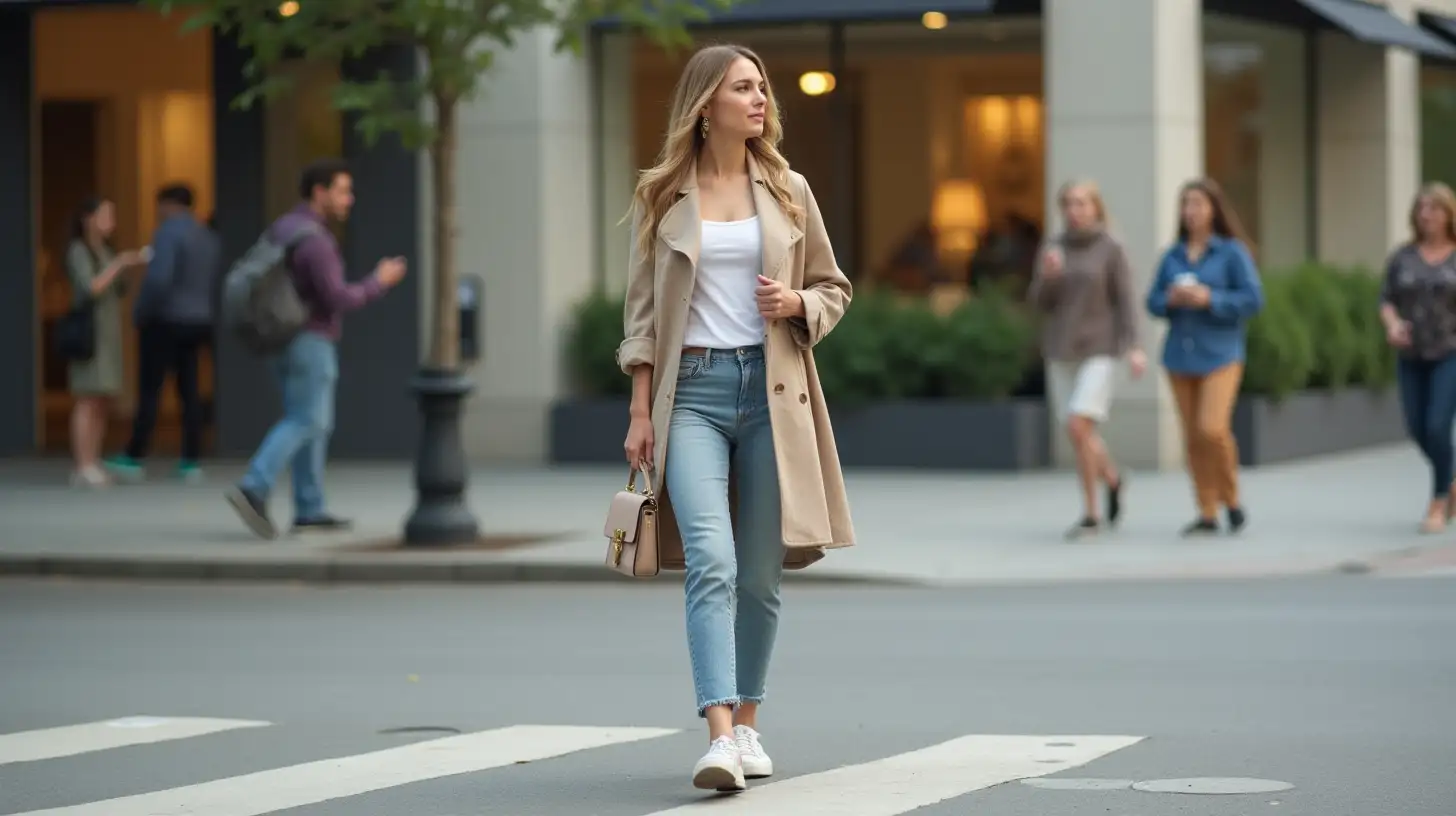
(934,434)
(1314,423)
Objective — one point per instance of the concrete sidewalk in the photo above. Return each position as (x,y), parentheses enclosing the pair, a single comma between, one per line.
(1355,513)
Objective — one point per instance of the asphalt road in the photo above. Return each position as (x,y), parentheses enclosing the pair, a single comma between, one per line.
(1343,687)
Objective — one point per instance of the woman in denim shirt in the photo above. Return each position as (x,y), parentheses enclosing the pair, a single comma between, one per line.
(1207,288)
(1418,308)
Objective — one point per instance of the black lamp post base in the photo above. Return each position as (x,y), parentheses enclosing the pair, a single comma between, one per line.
(441,516)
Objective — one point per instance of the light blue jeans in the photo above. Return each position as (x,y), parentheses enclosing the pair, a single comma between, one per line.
(307,373)
(720,418)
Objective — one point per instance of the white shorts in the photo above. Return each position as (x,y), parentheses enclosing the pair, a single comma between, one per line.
(1081,389)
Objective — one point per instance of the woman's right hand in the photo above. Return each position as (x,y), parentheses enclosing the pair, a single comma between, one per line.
(128,258)
(1398,333)
(639,444)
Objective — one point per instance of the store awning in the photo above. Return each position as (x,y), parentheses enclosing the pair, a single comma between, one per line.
(1444,26)
(1376,25)
(768,12)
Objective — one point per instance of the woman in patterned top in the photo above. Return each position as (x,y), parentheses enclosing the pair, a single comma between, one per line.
(1418,307)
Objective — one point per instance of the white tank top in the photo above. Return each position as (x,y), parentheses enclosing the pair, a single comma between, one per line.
(723,312)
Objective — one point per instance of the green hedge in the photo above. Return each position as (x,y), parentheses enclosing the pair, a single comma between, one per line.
(1319,329)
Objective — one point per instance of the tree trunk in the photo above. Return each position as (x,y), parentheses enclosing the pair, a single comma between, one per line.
(445,343)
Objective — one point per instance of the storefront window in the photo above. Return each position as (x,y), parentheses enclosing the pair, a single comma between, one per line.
(1438,123)
(1254,131)
(925,155)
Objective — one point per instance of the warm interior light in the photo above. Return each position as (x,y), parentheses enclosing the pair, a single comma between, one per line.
(816,83)
(288,8)
(934,20)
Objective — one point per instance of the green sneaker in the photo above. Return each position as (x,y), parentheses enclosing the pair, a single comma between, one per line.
(125,468)
(189,472)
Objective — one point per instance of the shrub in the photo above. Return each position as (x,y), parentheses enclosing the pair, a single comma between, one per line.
(1320,328)
(591,347)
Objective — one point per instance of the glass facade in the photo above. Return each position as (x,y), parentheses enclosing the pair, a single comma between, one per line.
(1256,131)
(1438,123)
(924,146)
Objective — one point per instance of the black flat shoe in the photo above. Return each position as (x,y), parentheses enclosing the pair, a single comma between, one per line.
(1201,527)
(1114,500)
(1236,519)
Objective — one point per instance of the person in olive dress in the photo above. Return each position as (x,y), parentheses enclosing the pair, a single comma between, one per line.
(94,270)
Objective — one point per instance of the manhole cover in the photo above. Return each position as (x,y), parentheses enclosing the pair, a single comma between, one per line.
(422,729)
(1212,786)
(1060,783)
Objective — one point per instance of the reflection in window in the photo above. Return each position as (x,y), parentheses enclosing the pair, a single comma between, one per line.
(1438,123)
(1255,125)
(1232,103)
(301,126)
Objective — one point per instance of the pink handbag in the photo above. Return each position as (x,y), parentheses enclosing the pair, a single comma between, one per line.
(631,530)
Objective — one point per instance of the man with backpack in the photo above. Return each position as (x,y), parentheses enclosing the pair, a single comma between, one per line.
(286,299)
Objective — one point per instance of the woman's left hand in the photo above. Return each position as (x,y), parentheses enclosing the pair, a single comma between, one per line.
(1196,296)
(776,301)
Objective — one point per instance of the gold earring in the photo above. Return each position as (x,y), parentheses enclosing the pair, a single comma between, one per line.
(705,127)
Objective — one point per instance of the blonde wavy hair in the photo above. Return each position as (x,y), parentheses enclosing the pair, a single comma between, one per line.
(657,185)
(1093,192)
(1440,195)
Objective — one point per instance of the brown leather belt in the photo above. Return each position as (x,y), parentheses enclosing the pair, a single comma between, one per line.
(695,350)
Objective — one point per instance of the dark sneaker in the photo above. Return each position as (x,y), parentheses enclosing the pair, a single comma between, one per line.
(253,510)
(322,524)
(1085,527)
(1202,527)
(1236,519)
(1114,500)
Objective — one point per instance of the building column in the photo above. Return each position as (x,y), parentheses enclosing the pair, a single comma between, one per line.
(1124,87)
(1369,145)
(527,226)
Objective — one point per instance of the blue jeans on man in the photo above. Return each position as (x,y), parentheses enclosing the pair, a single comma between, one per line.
(307,373)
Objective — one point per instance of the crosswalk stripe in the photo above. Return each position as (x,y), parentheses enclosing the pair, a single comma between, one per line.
(904,782)
(69,740)
(313,782)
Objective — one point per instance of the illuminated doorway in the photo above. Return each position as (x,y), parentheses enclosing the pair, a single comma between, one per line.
(122,134)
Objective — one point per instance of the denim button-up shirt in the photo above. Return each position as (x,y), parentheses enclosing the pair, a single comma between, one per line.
(1200,341)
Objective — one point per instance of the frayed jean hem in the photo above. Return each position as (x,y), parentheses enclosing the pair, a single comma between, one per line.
(731,702)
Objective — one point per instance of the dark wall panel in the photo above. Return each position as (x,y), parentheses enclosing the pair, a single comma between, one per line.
(246,399)
(376,415)
(18,349)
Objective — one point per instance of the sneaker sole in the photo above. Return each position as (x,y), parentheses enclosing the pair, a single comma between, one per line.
(718,779)
(758,771)
(250,517)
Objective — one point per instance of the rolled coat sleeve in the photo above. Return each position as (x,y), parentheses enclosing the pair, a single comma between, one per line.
(826,291)
(639,320)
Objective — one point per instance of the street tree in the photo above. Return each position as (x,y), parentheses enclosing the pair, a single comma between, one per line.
(458,42)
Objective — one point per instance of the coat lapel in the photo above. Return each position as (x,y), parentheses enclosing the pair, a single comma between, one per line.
(778,233)
(682,228)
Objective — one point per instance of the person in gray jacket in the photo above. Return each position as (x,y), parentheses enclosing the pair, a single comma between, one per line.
(173,315)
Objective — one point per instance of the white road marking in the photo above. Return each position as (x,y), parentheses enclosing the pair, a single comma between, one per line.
(901,783)
(313,782)
(69,740)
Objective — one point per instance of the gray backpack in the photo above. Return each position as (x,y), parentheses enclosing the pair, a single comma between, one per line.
(260,304)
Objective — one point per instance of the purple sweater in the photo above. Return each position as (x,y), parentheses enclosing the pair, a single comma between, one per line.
(318,272)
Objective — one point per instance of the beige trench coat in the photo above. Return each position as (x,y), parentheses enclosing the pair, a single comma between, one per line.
(659,289)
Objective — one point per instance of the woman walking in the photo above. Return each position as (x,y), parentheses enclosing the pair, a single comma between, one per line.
(1418,307)
(731,282)
(1083,285)
(1207,287)
(94,271)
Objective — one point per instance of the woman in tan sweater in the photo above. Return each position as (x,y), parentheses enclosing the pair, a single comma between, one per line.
(1083,287)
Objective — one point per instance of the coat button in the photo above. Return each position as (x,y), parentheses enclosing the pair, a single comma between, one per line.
(803,398)
(779,389)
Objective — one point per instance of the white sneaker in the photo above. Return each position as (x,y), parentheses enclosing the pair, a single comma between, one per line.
(720,769)
(756,764)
